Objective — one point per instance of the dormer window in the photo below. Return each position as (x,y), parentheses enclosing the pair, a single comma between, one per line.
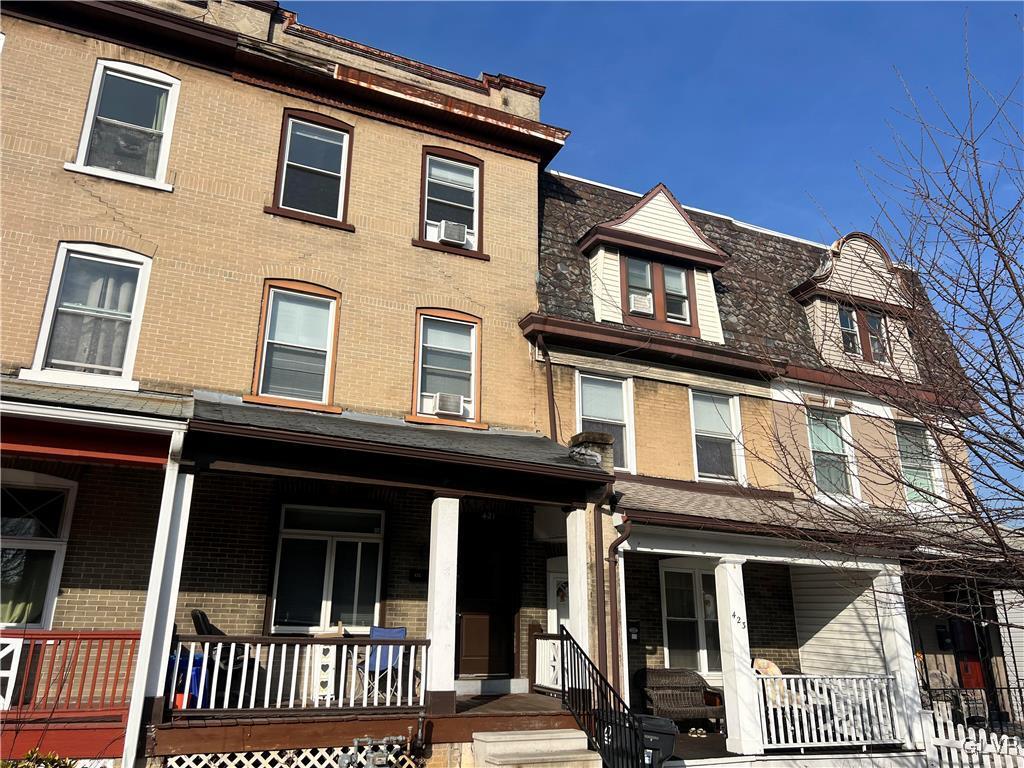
(657,295)
(848,327)
(875,324)
(863,334)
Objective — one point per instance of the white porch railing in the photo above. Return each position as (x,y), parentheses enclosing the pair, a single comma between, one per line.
(209,675)
(547,660)
(800,711)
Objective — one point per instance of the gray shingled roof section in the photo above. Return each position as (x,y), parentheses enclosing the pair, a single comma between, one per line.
(524,447)
(153,404)
(759,316)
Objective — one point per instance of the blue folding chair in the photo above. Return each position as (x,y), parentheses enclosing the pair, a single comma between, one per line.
(383,658)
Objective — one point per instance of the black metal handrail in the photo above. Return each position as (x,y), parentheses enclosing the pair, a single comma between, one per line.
(998,710)
(612,729)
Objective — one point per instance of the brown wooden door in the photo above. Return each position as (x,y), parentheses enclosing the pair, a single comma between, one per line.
(488,592)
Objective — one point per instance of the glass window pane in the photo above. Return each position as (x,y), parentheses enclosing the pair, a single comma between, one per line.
(913,443)
(826,433)
(24,581)
(846,319)
(679,598)
(343,587)
(311,191)
(94,284)
(919,486)
(448,335)
(366,600)
(675,281)
(122,148)
(294,373)
(830,474)
(601,399)
(712,414)
(31,512)
(682,644)
(449,194)
(434,382)
(303,321)
(131,101)
(639,273)
(332,520)
(300,582)
(451,172)
(715,457)
(677,308)
(443,358)
(618,433)
(316,146)
(438,211)
(707,586)
(714,646)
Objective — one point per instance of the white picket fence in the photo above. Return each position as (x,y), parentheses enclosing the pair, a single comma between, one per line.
(952,745)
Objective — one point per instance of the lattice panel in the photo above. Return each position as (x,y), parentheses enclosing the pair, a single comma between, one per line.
(363,756)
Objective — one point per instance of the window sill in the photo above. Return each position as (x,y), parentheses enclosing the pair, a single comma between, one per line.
(78,379)
(311,218)
(655,324)
(432,246)
(284,402)
(415,418)
(127,178)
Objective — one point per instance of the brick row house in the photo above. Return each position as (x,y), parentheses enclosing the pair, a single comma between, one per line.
(309,371)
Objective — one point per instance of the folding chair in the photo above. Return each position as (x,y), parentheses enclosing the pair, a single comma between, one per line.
(381,660)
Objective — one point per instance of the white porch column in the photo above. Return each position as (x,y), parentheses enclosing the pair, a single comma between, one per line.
(161,596)
(742,713)
(441,583)
(899,653)
(579,581)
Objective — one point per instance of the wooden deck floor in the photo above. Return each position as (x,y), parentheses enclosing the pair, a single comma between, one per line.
(508,704)
(696,748)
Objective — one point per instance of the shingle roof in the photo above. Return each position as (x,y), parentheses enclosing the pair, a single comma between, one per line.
(95,399)
(758,314)
(524,448)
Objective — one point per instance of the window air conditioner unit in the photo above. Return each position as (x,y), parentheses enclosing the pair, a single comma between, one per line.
(641,302)
(447,404)
(452,232)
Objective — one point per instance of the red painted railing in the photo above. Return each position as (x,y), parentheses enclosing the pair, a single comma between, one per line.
(49,675)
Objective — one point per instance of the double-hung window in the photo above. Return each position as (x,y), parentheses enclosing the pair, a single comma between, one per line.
(849,331)
(92,317)
(677,300)
(313,168)
(639,287)
(828,450)
(657,295)
(916,463)
(604,406)
(299,334)
(328,569)
(128,123)
(876,336)
(447,375)
(34,524)
(451,199)
(690,616)
(716,434)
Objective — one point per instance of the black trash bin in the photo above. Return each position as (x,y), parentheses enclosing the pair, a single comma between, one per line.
(659,735)
(616,738)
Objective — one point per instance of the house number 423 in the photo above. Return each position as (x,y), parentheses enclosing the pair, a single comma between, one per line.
(739,619)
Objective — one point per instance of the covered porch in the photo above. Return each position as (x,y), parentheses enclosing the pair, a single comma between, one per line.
(768,648)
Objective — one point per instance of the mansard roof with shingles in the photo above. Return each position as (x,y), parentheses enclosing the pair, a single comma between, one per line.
(758,314)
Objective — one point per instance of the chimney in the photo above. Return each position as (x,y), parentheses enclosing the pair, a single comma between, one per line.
(593,449)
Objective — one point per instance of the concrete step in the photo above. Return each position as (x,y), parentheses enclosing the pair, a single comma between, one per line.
(569,758)
(494,744)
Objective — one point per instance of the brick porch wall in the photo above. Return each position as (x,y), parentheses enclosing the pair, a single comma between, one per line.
(770,618)
(110,544)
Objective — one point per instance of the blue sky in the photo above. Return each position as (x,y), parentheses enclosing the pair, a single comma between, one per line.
(758,110)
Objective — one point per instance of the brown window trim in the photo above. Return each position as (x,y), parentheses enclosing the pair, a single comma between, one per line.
(860,314)
(420,241)
(325,121)
(295,286)
(414,416)
(659,321)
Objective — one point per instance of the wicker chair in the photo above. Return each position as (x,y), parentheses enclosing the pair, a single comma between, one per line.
(678,694)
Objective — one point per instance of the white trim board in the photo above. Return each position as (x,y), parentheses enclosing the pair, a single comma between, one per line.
(94,418)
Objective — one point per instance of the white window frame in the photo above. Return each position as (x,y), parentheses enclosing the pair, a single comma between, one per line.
(39,371)
(149,76)
(856,330)
(472,235)
(695,569)
(331,538)
(21,478)
(627,406)
(938,481)
(846,434)
(686,320)
(470,413)
(342,175)
(739,456)
(331,344)
(883,337)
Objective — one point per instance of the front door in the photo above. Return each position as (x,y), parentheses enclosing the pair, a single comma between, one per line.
(488,592)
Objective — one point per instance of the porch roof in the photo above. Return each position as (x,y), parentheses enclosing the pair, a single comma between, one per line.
(507,448)
(153,404)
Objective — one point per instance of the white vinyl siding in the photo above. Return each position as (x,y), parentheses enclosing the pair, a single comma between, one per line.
(660,219)
(836,622)
(707,307)
(606,285)
(1010,610)
(860,270)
